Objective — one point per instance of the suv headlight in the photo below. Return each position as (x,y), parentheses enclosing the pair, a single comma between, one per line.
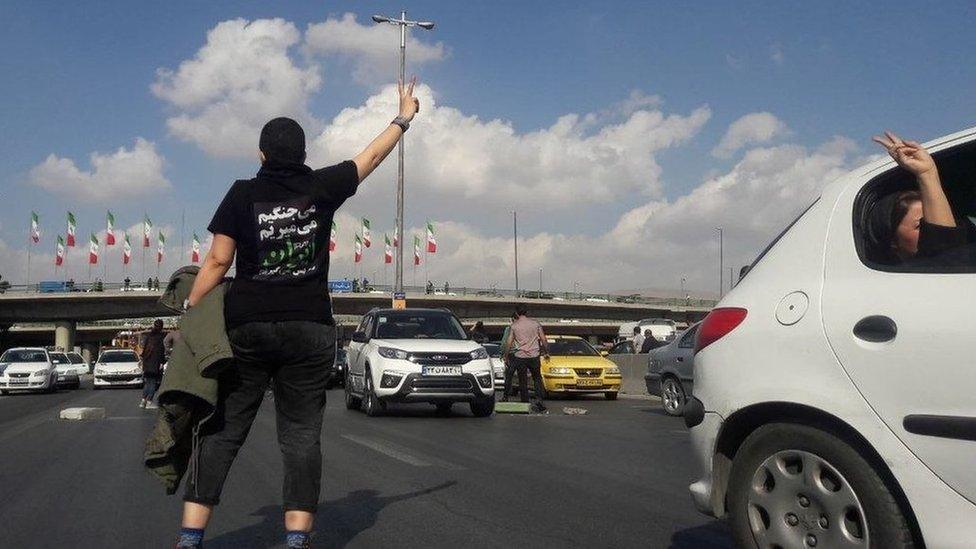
(561,371)
(390,352)
(612,371)
(479,353)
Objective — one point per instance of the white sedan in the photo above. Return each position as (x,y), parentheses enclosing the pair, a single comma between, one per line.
(67,372)
(118,368)
(27,369)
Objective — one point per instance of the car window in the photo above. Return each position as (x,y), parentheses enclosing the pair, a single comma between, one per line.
(571,347)
(24,355)
(946,250)
(412,325)
(75,358)
(59,358)
(688,339)
(118,356)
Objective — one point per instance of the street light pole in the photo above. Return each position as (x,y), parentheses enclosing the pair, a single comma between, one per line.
(515,231)
(721,267)
(540,282)
(403,23)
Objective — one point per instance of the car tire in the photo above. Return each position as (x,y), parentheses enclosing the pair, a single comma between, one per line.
(484,407)
(610,395)
(372,405)
(352,401)
(673,396)
(760,494)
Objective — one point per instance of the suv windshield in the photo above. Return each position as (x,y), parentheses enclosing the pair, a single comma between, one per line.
(59,358)
(118,356)
(571,347)
(23,355)
(426,325)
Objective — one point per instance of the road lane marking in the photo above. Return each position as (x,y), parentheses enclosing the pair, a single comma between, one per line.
(400,453)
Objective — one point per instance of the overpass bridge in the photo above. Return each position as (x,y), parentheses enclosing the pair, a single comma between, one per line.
(66,310)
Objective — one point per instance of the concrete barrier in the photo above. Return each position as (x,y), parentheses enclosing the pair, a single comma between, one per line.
(82,413)
(632,369)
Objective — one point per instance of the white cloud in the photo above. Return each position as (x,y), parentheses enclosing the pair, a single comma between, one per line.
(753,128)
(776,54)
(578,161)
(241,78)
(372,47)
(126,173)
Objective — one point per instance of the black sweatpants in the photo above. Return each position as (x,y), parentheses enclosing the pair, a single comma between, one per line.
(533,366)
(295,357)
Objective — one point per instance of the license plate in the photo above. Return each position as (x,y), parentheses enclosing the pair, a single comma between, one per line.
(589,383)
(441,371)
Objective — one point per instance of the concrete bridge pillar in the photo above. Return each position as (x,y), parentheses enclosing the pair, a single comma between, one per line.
(64,334)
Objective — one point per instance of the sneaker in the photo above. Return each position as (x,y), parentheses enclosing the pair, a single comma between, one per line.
(142,403)
(151,406)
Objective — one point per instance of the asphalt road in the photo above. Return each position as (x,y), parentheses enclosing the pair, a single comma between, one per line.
(615,477)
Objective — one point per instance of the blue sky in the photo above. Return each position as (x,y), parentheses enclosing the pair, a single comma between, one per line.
(77,80)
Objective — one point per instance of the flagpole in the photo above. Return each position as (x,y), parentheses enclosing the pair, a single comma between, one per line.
(30,245)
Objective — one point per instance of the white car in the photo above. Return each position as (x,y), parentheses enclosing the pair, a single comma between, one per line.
(834,394)
(497,363)
(81,365)
(27,369)
(118,368)
(662,328)
(417,355)
(67,372)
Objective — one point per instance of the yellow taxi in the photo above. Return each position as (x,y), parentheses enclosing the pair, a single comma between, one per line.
(575,367)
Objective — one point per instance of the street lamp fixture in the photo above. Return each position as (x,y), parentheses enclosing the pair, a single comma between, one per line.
(403,23)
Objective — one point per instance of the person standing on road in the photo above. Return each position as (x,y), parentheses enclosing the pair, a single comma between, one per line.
(638,339)
(153,356)
(527,335)
(278,314)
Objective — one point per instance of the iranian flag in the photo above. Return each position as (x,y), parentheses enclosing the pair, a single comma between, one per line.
(146,231)
(332,237)
(35,230)
(396,235)
(359,249)
(93,250)
(160,247)
(110,229)
(416,250)
(388,256)
(126,249)
(431,242)
(366,239)
(195,249)
(59,252)
(72,227)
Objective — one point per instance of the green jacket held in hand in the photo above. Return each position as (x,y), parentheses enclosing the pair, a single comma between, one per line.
(188,395)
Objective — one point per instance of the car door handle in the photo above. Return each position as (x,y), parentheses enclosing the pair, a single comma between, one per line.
(876,329)
(680,359)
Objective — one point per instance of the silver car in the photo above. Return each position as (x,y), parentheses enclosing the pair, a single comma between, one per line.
(67,372)
(670,371)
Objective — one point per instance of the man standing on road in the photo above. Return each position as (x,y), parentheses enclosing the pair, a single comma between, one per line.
(638,339)
(530,341)
(153,356)
(278,314)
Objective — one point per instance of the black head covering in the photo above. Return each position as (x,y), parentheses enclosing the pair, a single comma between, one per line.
(879,231)
(283,140)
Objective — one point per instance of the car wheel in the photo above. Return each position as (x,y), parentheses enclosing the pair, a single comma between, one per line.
(483,408)
(371,403)
(352,402)
(610,395)
(798,486)
(672,396)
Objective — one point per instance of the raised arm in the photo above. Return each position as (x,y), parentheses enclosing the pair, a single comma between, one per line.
(215,266)
(912,156)
(374,153)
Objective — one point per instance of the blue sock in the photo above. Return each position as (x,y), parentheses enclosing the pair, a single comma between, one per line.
(297,539)
(190,537)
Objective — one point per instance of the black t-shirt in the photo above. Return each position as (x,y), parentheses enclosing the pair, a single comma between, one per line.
(281,222)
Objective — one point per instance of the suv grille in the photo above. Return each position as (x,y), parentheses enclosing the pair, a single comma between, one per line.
(438,385)
(440,359)
(588,372)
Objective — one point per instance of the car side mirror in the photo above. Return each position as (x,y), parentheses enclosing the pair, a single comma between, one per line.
(360,337)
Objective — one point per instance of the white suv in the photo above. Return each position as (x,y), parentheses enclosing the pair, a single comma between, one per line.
(835,395)
(417,355)
(27,369)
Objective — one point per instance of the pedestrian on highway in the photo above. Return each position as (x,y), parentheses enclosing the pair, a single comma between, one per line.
(650,342)
(278,314)
(156,282)
(530,341)
(153,356)
(126,283)
(430,287)
(478,334)
(638,339)
(149,283)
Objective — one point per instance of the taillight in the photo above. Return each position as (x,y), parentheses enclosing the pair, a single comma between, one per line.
(717,324)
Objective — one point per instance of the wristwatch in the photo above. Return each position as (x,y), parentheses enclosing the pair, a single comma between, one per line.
(402,122)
